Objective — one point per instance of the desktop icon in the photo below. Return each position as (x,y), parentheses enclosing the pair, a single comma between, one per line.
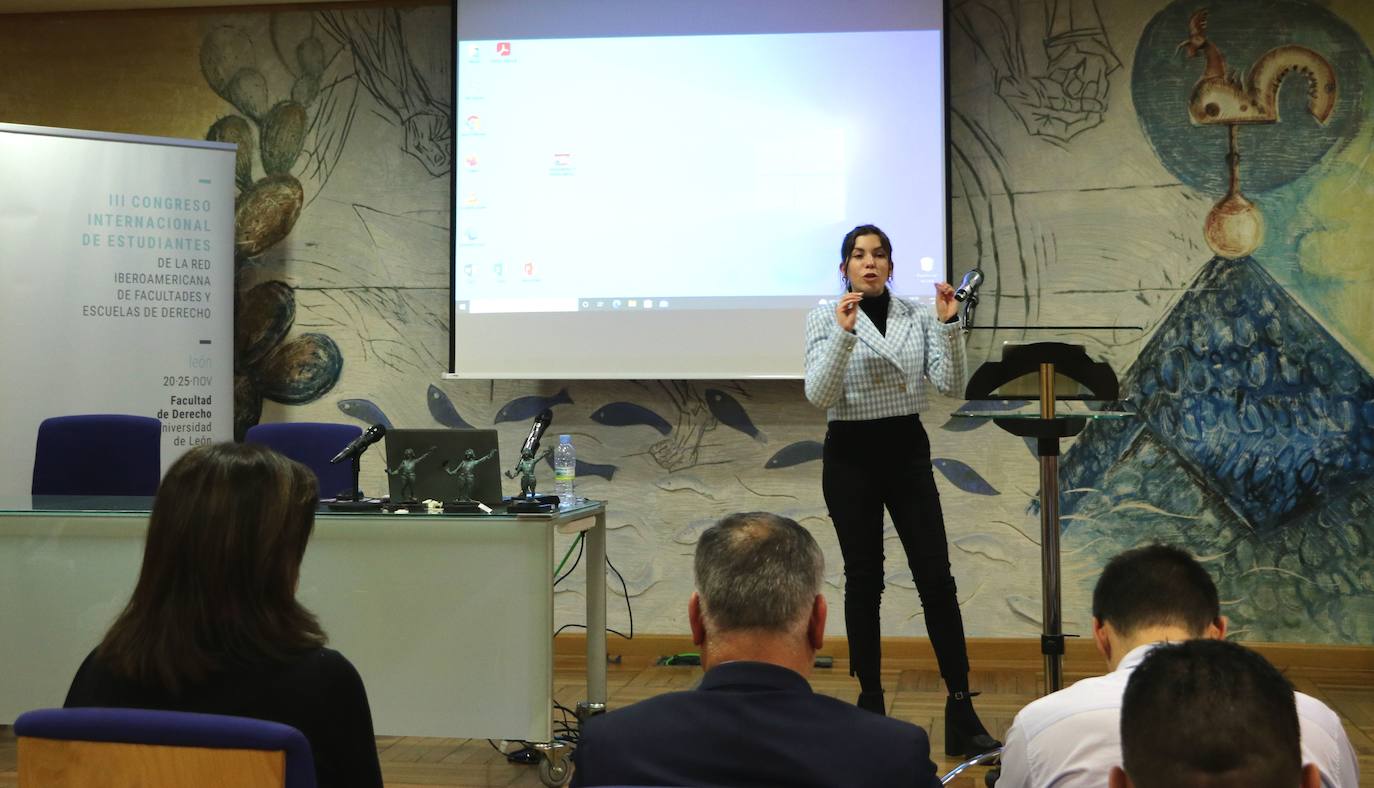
(474,53)
(503,48)
(498,268)
(586,304)
(648,303)
(529,268)
(632,302)
(467,270)
(662,304)
(471,200)
(473,123)
(470,234)
(600,304)
(615,304)
(471,161)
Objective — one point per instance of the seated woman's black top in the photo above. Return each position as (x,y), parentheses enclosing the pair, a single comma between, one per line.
(319,693)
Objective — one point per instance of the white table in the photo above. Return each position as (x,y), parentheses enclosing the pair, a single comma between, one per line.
(449,619)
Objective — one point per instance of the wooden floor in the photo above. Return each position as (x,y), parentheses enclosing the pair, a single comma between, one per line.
(918,697)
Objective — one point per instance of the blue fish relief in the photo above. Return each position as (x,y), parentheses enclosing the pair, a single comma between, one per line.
(625,414)
(525,408)
(964,477)
(588,468)
(441,408)
(962,424)
(365,411)
(795,454)
(729,412)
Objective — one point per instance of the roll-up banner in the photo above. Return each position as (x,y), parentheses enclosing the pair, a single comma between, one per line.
(116,286)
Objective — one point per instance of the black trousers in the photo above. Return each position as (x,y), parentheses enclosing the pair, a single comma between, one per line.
(870,465)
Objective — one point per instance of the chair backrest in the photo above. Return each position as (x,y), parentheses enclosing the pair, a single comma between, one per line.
(124,748)
(312,444)
(105,454)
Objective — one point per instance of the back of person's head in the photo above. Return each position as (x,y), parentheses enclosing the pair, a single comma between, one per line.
(1209,713)
(1156,586)
(220,565)
(756,570)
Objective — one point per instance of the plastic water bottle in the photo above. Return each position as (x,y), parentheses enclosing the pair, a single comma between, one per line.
(565,471)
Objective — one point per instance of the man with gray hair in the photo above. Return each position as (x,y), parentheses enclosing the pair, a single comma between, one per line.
(758,617)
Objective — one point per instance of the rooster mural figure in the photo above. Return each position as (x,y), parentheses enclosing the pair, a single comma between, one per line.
(1234,227)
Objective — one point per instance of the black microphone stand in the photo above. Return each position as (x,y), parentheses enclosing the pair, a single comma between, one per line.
(353,501)
(970,307)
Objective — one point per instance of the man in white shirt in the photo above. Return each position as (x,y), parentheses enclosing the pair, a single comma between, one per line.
(1146,596)
(1207,713)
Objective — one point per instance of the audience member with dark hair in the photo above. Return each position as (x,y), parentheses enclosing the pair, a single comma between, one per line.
(1145,597)
(759,618)
(1207,713)
(214,626)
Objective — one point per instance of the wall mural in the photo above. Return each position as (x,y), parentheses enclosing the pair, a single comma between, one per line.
(1254,448)
(272,127)
(1061,91)
(1195,175)
(1256,444)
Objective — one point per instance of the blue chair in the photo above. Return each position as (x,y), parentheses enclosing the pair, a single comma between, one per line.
(65,748)
(98,455)
(312,444)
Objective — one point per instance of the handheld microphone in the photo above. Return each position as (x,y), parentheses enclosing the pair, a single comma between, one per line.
(541,423)
(359,444)
(969,287)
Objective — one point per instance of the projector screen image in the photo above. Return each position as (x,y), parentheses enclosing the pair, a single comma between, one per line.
(671,206)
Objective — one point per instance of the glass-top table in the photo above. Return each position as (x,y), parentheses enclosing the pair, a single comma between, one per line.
(141,505)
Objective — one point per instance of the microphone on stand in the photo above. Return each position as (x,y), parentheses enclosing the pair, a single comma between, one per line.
(969,287)
(359,444)
(541,423)
(967,292)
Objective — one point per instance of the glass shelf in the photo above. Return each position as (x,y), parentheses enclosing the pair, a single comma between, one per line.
(1030,409)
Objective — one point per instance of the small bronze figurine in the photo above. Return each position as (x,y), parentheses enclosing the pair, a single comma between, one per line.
(465,470)
(406,470)
(525,467)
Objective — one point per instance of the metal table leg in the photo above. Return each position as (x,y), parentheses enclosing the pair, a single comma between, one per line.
(596,616)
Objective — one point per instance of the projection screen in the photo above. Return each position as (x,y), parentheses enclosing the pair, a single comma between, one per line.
(659,189)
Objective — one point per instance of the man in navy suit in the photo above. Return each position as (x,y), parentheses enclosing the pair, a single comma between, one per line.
(758,617)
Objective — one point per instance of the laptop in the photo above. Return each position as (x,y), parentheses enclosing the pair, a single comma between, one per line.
(431,454)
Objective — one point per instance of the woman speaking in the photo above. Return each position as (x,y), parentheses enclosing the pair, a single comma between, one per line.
(867,361)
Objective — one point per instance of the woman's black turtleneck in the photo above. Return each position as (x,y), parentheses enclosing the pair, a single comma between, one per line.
(876,309)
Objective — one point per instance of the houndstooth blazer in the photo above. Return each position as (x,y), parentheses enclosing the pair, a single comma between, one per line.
(866,375)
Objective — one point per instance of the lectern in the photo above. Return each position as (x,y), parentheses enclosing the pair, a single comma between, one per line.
(1047,414)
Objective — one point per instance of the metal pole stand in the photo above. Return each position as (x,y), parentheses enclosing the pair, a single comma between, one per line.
(1045,359)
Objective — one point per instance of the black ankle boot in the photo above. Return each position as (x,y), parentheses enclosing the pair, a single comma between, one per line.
(964,733)
(873,701)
